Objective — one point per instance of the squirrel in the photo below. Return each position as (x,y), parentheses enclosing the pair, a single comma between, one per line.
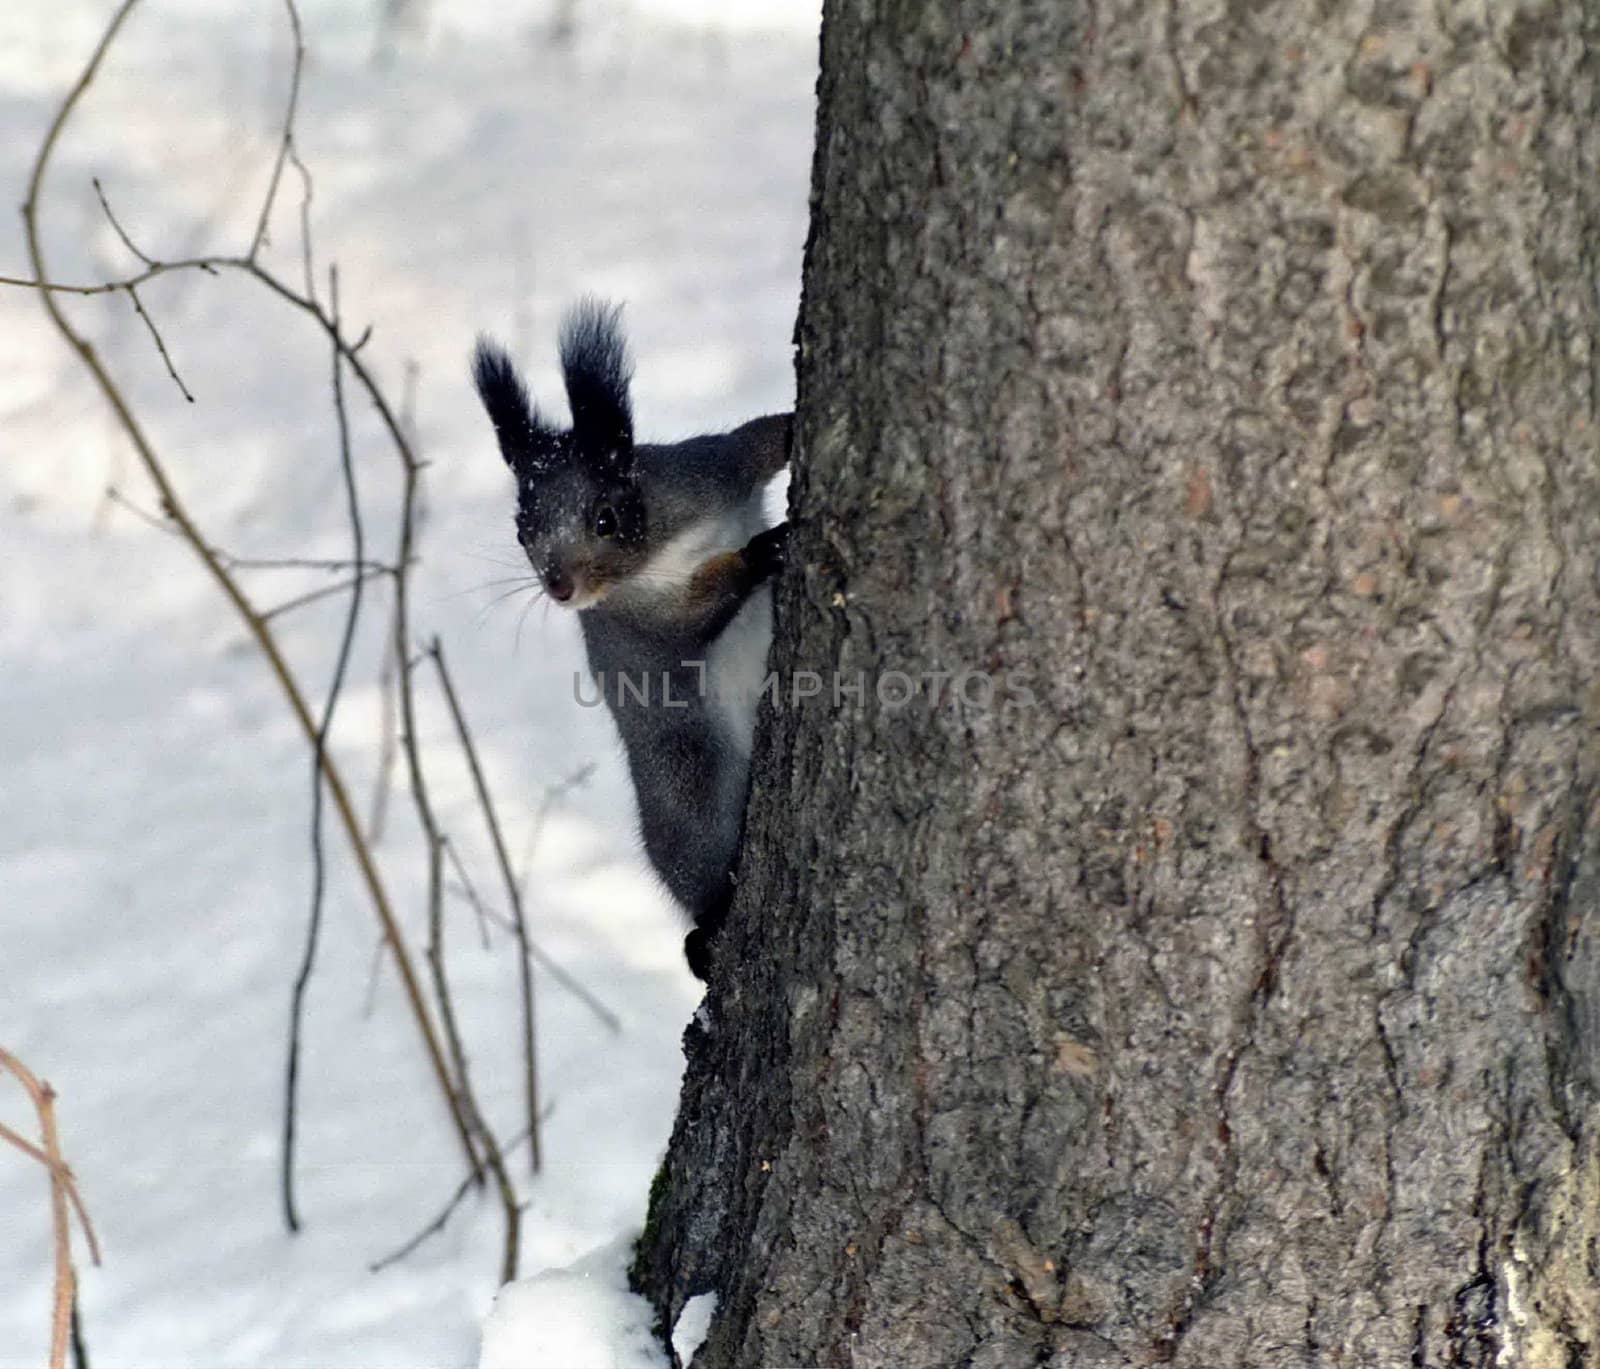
(664,552)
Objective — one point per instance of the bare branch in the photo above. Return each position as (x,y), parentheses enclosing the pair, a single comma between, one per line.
(63,1190)
(358,555)
(486,914)
(175,509)
(410,519)
(513,894)
(155,335)
(288,134)
(388,745)
(90,70)
(553,793)
(388,722)
(111,218)
(305,222)
(232,562)
(210,265)
(222,567)
(471,892)
(315,595)
(437,1224)
(369,1000)
(577,990)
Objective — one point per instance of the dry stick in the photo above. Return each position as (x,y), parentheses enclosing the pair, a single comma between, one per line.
(388,751)
(369,1000)
(433,1227)
(287,139)
(464,1113)
(161,347)
(547,801)
(63,1188)
(438,1222)
(358,554)
(469,890)
(178,513)
(524,961)
(313,596)
(421,799)
(486,915)
(27,1147)
(305,218)
(611,1021)
(232,562)
(493,1160)
(116,225)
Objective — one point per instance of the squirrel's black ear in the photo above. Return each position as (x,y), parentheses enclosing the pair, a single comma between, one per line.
(594,363)
(516,421)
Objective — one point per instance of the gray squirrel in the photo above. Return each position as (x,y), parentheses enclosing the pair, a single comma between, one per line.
(664,552)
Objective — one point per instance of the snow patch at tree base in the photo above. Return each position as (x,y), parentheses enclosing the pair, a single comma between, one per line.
(581,1317)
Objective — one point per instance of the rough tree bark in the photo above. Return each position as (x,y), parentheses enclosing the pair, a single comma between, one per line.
(1229,373)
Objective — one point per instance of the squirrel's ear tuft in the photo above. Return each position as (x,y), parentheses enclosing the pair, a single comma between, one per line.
(516,421)
(595,365)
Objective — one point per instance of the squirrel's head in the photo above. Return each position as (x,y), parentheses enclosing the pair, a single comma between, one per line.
(580,514)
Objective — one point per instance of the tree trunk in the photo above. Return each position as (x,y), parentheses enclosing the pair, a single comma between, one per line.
(1226,376)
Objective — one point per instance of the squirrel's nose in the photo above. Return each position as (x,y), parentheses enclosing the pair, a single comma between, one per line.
(559,585)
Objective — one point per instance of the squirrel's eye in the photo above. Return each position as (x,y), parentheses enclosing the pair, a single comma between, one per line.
(605,521)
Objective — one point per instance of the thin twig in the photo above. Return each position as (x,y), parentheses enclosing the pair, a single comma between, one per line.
(232,562)
(530,1068)
(210,264)
(388,718)
(388,743)
(27,1147)
(547,801)
(577,990)
(155,336)
(437,1224)
(405,556)
(155,520)
(471,892)
(312,596)
(305,221)
(432,835)
(369,1000)
(464,1111)
(288,133)
(358,555)
(63,1189)
(170,502)
(127,242)
(486,914)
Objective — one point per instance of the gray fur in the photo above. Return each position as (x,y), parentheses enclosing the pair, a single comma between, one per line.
(676,630)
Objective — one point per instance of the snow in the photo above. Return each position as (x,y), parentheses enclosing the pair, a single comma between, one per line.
(154,793)
(694,1325)
(580,1317)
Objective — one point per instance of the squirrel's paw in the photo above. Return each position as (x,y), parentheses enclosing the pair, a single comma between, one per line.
(697,951)
(767,551)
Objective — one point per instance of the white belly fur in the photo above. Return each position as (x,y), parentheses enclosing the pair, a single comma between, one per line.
(736,665)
